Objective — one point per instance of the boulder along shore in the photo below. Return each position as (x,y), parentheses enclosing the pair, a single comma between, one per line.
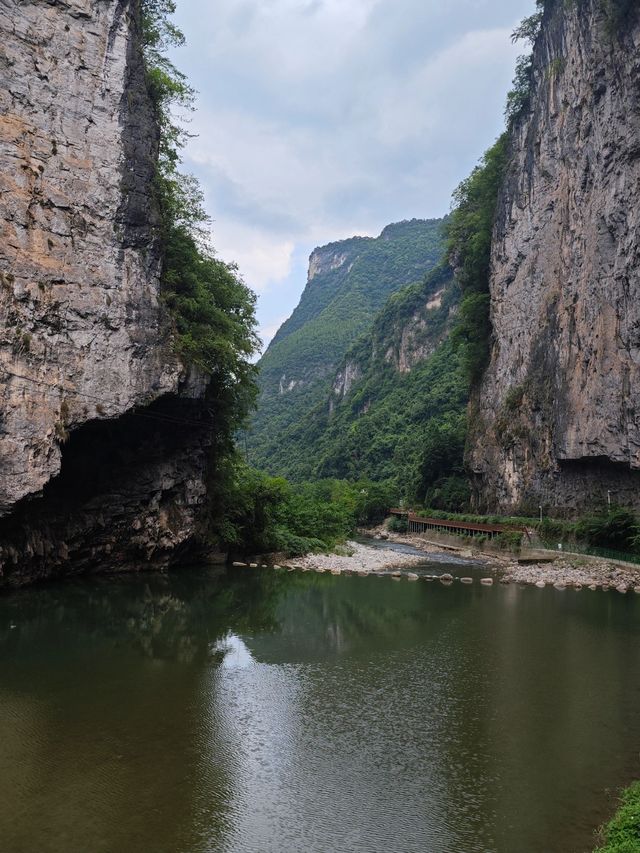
(362,560)
(570,570)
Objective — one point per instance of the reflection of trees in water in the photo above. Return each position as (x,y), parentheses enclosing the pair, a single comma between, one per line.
(181,615)
(347,614)
(105,708)
(176,616)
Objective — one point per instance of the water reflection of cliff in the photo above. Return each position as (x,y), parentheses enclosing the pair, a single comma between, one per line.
(195,712)
(164,617)
(105,712)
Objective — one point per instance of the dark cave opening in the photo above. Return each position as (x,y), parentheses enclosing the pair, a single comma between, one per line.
(100,455)
(111,473)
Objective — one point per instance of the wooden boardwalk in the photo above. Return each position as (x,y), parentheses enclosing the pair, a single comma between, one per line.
(421,524)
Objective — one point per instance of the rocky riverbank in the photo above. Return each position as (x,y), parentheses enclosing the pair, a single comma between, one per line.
(574,571)
(358,558)
(569,572)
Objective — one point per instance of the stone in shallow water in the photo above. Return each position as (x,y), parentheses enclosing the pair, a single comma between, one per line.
(238,564)
(486,581)
(559,585)
(336,571)
(446,578)
(540,584)
(466,580)
(412,576)
(593,587)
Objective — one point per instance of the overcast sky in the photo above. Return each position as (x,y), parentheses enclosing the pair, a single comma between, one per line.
(320,119)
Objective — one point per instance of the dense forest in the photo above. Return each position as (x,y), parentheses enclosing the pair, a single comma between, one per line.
(349,283)
(402,420)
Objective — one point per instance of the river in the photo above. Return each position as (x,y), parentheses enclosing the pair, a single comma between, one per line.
(258,711)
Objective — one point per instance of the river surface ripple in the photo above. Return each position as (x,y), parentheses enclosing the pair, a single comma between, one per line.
(258,711)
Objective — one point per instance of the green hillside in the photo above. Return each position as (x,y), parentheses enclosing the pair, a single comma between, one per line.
(406,426)
(349,282)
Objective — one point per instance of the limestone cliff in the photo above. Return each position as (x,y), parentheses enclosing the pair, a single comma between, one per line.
(85,345)
(410,328)
(557,421)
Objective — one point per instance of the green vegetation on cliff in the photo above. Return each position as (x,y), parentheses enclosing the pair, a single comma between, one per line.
(617,17)
(380,427)
(212,309)
(408,426)
(349,282)
(469,247)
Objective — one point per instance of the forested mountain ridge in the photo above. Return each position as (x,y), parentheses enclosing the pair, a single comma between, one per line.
(390,385)
(397,408)
(348,282)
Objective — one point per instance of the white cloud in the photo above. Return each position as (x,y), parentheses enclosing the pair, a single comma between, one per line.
(262,260)
(318,119)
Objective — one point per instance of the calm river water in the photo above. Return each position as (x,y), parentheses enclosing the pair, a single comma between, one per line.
(259,712)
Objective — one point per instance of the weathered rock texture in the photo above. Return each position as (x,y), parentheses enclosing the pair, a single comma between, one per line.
(413,340)
(557,420)
(407,331)
(83,336)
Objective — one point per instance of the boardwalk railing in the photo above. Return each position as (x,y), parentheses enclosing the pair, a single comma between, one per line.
(420,524)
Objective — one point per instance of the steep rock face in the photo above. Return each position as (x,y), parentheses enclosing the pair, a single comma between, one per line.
(556,420)
(412,339)
(326,259)
(406,332)
(347,376)
(83,336)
